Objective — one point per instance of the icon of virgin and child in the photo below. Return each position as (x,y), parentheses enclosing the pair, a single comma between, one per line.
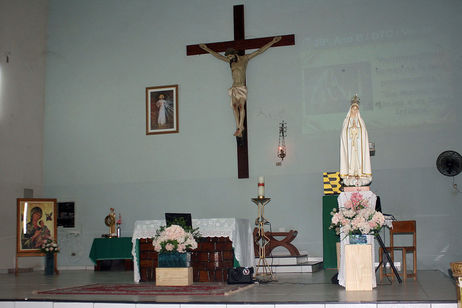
(35,231)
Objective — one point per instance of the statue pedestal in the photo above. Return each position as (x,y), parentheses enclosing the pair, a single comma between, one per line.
(359,259)
(358,264)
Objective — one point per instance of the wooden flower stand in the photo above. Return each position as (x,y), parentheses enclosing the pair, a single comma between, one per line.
(174,276)
(456,268)
(459,292)
(358,264)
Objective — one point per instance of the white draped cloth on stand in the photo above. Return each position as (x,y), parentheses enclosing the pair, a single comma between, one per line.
(238,230)
(345,239)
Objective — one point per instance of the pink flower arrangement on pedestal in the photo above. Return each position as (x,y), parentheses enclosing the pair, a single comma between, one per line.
(357,217)
(173,239)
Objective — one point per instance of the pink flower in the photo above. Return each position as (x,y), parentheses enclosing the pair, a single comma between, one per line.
(348,204)
(169,247)
(190,242)
(174,232)
(356,197)
(181,248)
(378,218)
(357,215)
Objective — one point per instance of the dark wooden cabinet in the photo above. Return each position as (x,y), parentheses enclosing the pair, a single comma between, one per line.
(148,260)
(212,259)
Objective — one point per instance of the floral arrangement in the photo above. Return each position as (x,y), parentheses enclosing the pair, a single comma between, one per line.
(49,246)
(357,217)
(174,239)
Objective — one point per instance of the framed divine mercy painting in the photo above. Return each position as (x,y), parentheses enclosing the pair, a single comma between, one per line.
(162,110)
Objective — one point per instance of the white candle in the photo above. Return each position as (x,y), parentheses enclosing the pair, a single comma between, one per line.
(261,187)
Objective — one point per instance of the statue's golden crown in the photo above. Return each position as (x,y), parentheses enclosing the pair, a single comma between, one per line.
(355,100)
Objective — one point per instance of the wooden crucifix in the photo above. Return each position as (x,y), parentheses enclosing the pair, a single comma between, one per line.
(235,51)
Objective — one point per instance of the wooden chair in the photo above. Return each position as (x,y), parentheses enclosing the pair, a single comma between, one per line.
(401,227)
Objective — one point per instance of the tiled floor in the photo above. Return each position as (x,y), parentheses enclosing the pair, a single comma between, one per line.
(433,289)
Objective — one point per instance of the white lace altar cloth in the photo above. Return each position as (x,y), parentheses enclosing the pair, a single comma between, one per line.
(345,239)
(238,230)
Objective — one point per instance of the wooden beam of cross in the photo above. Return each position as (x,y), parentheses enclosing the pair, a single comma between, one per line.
(241,45)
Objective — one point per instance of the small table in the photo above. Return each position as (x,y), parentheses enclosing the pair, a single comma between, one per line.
(115,248)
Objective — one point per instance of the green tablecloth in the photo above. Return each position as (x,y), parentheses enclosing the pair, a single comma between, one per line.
(111,249)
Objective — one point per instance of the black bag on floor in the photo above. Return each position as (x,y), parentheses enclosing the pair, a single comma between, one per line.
(240,275)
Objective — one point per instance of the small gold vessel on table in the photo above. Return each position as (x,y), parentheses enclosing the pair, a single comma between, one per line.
(110,221)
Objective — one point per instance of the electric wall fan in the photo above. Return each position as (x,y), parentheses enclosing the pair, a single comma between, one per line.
(449,163)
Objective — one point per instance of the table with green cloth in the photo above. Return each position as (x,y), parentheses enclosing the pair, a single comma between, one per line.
(115,248)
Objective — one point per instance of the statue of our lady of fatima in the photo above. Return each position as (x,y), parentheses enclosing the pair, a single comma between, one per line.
(355,162)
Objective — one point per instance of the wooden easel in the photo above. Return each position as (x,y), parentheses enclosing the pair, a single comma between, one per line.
(16,269)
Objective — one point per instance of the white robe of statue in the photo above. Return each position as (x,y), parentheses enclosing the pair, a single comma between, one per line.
(355,162)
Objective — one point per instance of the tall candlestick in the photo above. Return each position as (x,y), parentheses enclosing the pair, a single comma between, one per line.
(261,187)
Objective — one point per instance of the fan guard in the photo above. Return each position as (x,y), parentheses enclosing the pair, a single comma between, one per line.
(449,163)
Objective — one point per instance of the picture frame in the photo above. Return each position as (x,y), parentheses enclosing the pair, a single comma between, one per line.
(66,214)
(36,221)
(162,110)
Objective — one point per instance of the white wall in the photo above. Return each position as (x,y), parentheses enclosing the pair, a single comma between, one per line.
(402,58)
(22,91)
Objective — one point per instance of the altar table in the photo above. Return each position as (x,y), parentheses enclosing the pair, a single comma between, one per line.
(238,230)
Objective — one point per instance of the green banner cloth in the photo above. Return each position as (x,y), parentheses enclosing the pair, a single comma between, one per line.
(329,238)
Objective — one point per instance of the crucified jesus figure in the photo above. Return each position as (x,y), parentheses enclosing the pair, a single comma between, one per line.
(238,91)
